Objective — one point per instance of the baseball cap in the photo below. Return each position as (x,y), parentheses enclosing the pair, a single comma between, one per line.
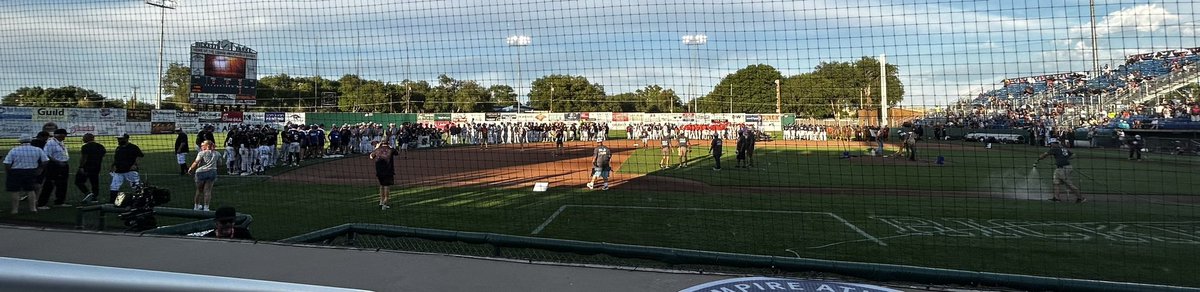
(60,131)
(123,136)
(1052,141)
(225,213)
(25,138)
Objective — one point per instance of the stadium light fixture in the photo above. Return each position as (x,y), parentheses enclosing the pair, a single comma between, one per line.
(693,40)
(518,41)
(162,34)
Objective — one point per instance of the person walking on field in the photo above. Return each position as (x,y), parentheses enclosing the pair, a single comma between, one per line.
(385,170)
(125,166)
(205,169)
(1062,170)
(716,149)
(91,157)
(56,173)
(600,164)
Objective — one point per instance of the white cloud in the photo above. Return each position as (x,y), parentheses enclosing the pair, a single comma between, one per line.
(1141,18)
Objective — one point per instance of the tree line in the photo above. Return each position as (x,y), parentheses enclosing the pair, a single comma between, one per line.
(831,89)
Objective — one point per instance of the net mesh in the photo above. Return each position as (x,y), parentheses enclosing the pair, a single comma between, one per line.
(750,127)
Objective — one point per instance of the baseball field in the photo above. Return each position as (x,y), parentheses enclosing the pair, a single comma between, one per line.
(980,210)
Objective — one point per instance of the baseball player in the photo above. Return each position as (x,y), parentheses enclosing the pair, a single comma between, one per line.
(683,150)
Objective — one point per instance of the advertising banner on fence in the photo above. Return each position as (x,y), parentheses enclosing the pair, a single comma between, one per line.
(491,117)
(49,114)
(771,122)
(275,117)
(96,128)
(16,113)
(112,115)
(441,117)
(296,118)
(162,127)
(425,118)
(188,127)
(138,128)
(599,116)
(187,117)
(163,116)
(89,115)
(14,128)
(210,117)
(254,118)
(620,117)
(231,117)
(137,115)
(572,117)
(753,119)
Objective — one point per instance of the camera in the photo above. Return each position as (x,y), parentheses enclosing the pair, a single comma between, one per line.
(139,205)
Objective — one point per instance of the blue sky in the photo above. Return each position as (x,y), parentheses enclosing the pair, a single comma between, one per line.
(945,49)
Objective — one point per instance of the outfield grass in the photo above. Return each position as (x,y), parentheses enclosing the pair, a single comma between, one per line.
(1120,241)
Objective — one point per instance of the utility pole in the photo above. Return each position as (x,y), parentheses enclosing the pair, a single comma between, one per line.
(162,34)
(778,99)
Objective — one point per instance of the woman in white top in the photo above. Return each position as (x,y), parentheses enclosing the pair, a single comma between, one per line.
(205,168)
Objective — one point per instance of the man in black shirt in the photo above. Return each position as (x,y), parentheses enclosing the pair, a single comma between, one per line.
(125,166)
(181,150)
(90,158)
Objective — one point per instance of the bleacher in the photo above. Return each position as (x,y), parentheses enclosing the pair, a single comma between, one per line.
(1040,94)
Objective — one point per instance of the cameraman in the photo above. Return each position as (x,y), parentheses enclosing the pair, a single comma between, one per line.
(226,221)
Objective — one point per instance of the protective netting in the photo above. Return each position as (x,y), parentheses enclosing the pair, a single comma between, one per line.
(1052,139)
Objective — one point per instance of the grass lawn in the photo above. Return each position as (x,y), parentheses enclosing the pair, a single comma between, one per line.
(1135,241)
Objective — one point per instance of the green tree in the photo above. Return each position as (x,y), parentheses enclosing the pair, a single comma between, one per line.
(501,96)
(414,95)
(655,99)
(565,93)
(753,91)
(833,88)
(67,96)
(176,84)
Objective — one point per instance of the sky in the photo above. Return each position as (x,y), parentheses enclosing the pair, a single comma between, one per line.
(945,49)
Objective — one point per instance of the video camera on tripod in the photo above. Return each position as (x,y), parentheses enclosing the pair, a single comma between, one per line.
(140,205)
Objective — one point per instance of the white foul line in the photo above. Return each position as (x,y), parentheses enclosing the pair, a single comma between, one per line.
(835,216)
(552,216)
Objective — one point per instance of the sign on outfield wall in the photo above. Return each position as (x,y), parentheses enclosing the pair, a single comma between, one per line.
(599,116)
(14,128)
(83,115)
(163,116)
(254,118)
(187,117)
(138,115)
(210,117)
(49,114)
(231,117)
(139,128)
(275,117)
(113,115)
(16,113)
(295,118)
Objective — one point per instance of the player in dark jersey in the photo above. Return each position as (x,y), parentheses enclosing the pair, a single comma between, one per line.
(715,148)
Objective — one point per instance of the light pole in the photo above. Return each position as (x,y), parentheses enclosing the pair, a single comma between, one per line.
(518,41)
(693,40)
(162,34)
